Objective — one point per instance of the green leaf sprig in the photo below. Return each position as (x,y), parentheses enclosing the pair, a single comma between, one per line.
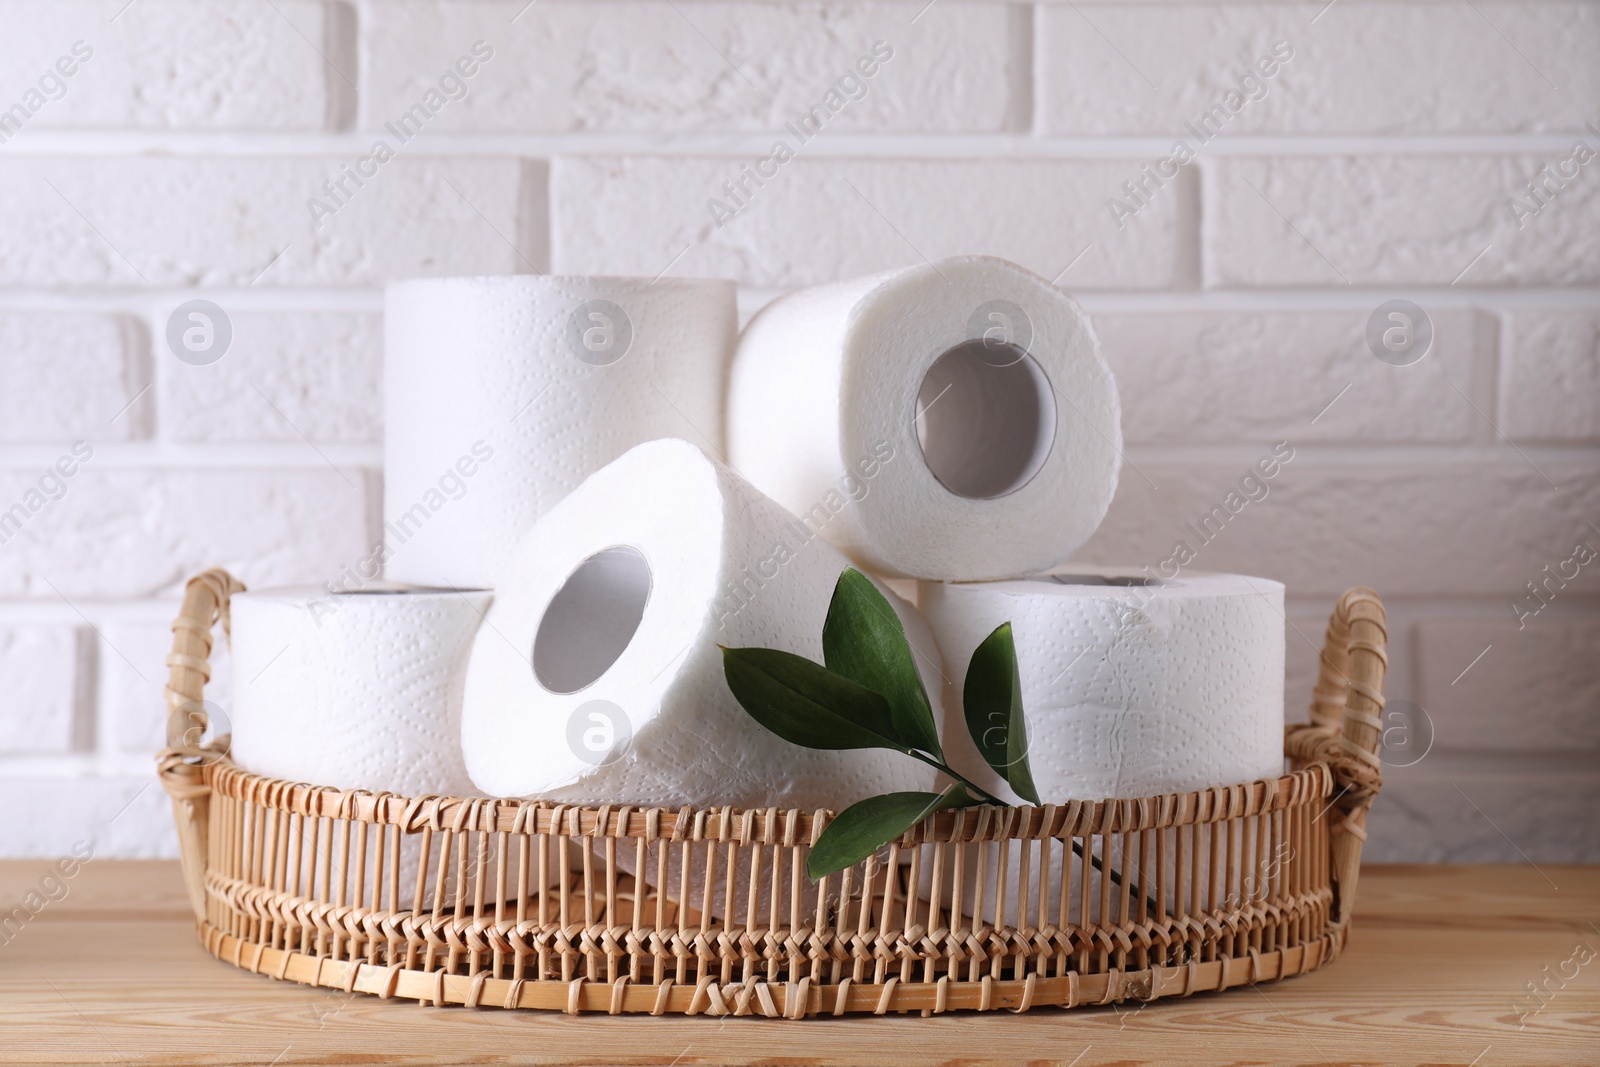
(868,694)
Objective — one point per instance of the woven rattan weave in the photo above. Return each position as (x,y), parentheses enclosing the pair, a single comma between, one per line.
(528,904)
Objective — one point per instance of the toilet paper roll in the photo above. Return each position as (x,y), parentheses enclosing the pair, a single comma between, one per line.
(953,420)
(1129,689)
(502,394)
(358,690)
(597,677)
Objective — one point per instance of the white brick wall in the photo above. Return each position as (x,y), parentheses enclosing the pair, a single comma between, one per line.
(1379,160)
(1552,376)
(277,525)
(244,221)
(1406,529)
(1219,376)
(1397,220)
(71,376)
(288,373)
(642,67)
(228,65)
(823,219)
(1361,70)
(42,665)
(1537,693)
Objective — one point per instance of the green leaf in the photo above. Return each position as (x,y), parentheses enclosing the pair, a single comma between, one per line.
(992,700)
(807,704)
(864,641)
(861,829)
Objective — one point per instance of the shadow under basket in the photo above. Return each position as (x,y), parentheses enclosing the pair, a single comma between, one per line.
(439,899)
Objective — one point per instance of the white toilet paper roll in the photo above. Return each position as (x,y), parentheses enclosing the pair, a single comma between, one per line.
(597,677)
(503,393)
(953,420)
(1129,689)
(357,690)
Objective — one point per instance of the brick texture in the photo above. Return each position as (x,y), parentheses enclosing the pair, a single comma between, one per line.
(692,66)
(1552,375)
(126,816)
(1404,530)
(1435,814)
(1536,688)
(175,64)
(286,374)
(243,221)
(72,377)
(1267,375)
(1399,220)
(135,532)
(39,672)
(819,220)
(1355,70)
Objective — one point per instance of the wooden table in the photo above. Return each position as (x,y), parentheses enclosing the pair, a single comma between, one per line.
(1435,973)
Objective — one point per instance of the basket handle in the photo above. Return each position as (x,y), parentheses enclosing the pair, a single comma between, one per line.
(1346,728)
(182,762)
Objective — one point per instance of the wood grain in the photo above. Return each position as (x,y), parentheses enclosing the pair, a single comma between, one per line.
(1433,974)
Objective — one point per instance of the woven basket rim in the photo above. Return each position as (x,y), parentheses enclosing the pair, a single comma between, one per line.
(770,825)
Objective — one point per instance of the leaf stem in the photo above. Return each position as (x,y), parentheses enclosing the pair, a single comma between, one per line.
(1115,876)
(989,798)
(982,794)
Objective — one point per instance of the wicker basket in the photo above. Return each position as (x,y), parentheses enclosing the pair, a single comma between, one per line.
(1203,891)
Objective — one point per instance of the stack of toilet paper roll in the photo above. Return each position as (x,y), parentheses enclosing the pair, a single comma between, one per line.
(502,394)
(590,484)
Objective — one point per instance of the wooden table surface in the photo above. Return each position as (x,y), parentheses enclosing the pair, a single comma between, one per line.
(1436,972)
